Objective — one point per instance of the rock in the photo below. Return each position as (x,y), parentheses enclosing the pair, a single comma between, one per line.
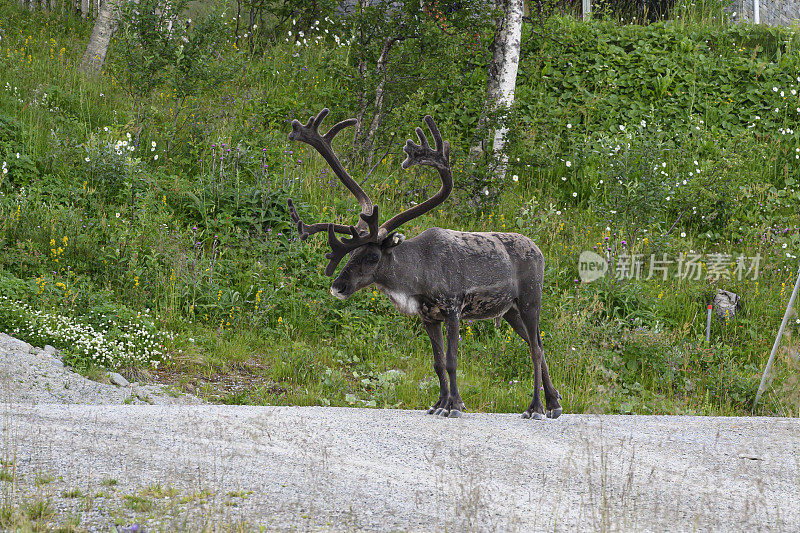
(117,379)
(50,350)
(726,304)
(750,456)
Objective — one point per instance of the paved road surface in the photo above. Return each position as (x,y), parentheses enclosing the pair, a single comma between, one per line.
(174,468)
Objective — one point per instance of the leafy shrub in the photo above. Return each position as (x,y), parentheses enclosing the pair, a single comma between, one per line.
(109,165)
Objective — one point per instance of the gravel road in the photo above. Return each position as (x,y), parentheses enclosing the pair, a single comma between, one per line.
(187,467)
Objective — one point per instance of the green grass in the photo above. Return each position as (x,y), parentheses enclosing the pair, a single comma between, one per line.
(39,509)
(137,503)
(72,493)
(243,310)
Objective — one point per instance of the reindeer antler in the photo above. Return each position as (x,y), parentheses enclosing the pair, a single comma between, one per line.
(423,154)
(367,230)
(306,230)
(310,135)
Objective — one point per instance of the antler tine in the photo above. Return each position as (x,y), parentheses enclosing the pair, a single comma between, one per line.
(423,154)
(319,118)
(310,135)
(340,248)
(306,230)
(336,128)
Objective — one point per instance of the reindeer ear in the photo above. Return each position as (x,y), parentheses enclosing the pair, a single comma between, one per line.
(392,240)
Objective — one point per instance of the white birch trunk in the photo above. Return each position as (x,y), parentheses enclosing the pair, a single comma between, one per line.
(104,26)
(511,41)
(84,8)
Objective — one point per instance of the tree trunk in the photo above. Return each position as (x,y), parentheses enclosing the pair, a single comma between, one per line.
(104,27)
(501,79)
(507,80)
(84,8)
(362,75)
(380,70)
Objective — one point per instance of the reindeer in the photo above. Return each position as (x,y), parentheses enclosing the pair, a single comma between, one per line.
(441,275)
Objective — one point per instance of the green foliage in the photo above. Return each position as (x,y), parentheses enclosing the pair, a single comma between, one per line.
(599,76)
(16,166)
(149,43)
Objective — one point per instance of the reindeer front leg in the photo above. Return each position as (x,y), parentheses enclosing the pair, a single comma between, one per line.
(434,330)
(453,406)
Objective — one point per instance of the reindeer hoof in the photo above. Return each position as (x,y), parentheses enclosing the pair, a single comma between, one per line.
(537,416)
(554,413)
(438,411)
(526,415)
(454,413)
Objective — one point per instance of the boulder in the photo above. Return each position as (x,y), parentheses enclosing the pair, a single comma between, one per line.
(726,304)
(117,379)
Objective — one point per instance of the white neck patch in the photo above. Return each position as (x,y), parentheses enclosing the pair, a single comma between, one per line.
(404,303)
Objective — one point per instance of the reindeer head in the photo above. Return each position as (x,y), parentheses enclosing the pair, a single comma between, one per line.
(370,246)
(364,266)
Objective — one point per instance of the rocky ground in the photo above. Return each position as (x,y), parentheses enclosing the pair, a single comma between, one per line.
(145,467)
(35,375)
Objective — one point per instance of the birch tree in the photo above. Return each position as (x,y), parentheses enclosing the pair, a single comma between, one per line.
(501,79)
(104,26)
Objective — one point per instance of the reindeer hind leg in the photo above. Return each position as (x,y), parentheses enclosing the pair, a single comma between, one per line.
(527,322)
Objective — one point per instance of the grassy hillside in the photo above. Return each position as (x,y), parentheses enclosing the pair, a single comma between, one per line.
(148,211)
